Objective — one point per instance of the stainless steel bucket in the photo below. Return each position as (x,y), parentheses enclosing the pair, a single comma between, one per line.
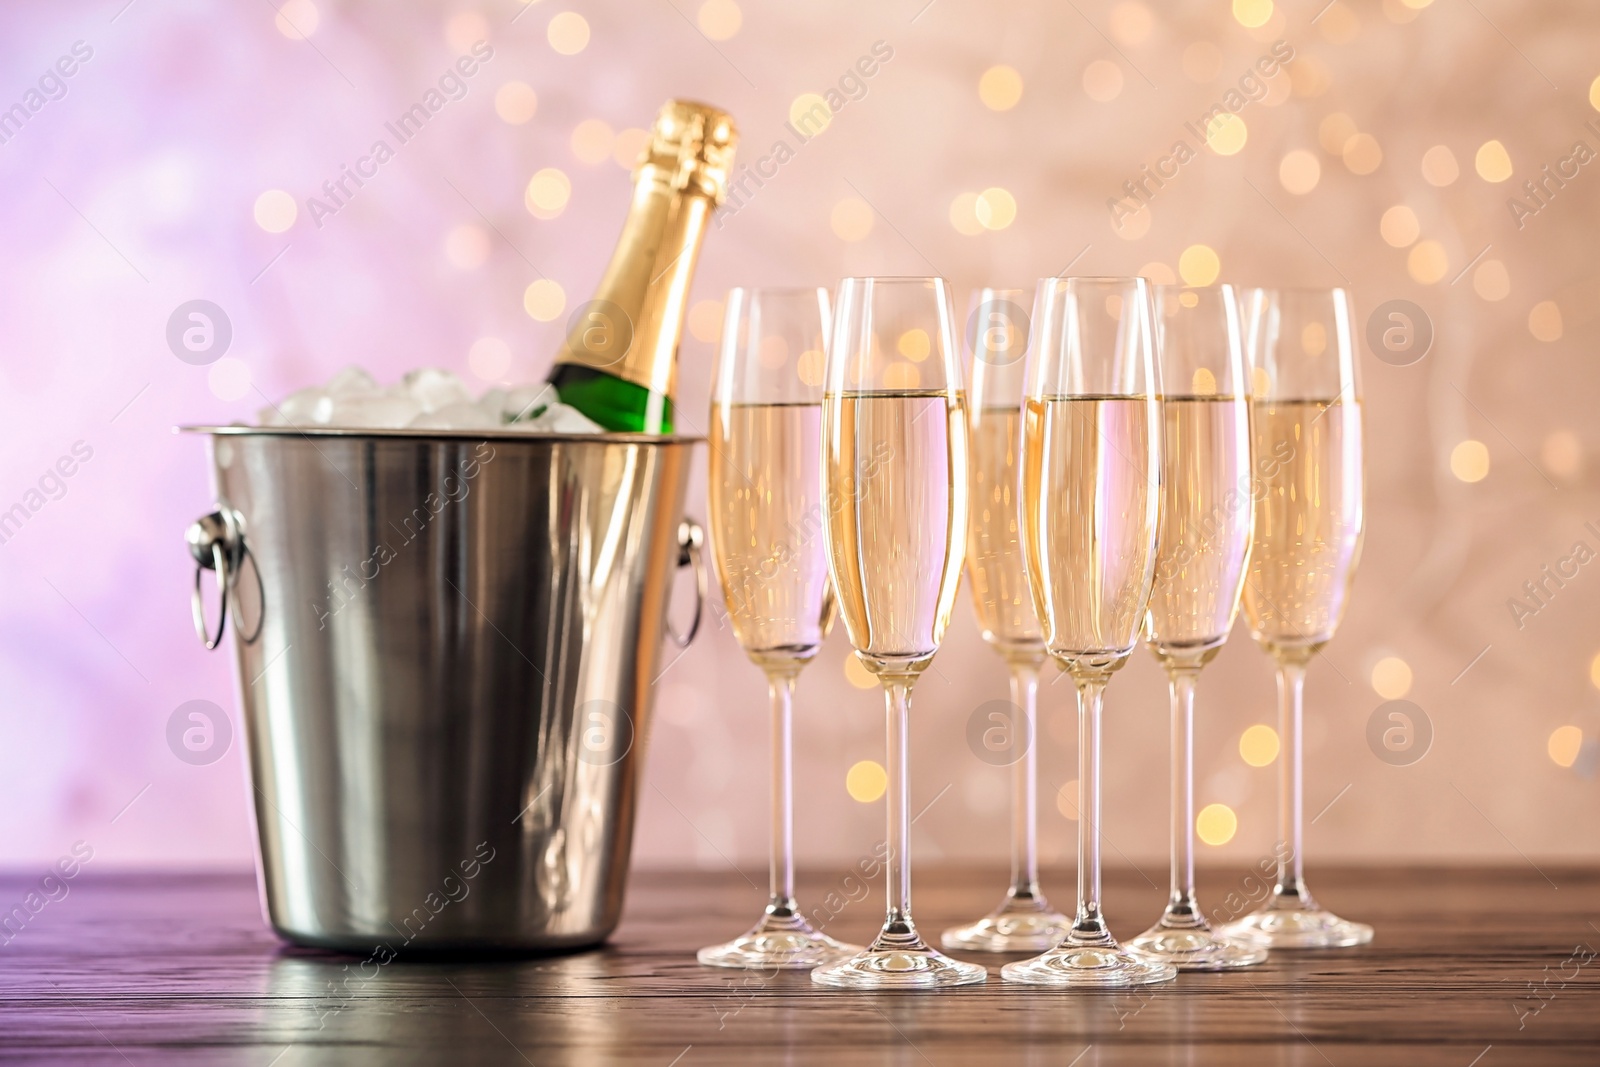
(446,645)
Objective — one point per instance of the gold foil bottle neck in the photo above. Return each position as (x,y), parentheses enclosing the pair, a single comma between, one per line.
(691,148)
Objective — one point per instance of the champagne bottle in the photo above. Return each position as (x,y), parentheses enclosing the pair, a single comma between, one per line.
(619,363)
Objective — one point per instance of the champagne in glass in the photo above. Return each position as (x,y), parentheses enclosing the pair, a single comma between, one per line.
(894,441)
(766,534)
(1091,506)
(997,333)
(1200,566)
(1308,525)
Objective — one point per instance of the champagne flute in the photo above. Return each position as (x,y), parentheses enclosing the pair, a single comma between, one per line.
(894,443)
(1091,504)
(766,515)
(997,332)
(1200,566)
(1308,488)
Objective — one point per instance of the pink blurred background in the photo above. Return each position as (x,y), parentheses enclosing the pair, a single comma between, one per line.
(178,160)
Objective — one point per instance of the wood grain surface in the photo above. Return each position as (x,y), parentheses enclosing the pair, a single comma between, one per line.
(1470,968)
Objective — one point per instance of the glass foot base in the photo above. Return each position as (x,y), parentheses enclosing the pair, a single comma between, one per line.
(1021,924)
(1102,965)
(1310,927)
(1196,949)
(902,961)
(785,942)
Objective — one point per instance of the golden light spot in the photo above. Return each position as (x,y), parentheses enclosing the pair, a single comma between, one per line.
(1199,265)
(1564,745)
(1362,154)
(1399,226)
(810,114)
(297,19)
(1594,94)
(1260,382)
(1299,172)
(1102,80)
(1113,306)
(1417,4)
(996,208)
(1338,24)
(1492,162)
(544,300)
(866,781)
(1469,461)
(1314,339)
(466,246)
(275,211)
(1201,62)
(1130,22)
(1439,166)
(1000,88)
(914,345)
(1562,454)
(1158,273)
(719,19)
(1134,226)
(1067,800)
(1278,91)
(515,102)
(705,320)
(811,366)
(964,214)
(1308,77)
(1391,678)
(851,219)
(1258,745)
(465,29)
(899,375)
(489,358)
(1427,262)
(1252,13)
(1398,13)
(1491,280)
(568,33)
(547,193)
(1226,134)
(592,140)
(1594,670)
(1203,383)
(1334,131)
(1189,300)
(629,146)
(856,673)
(1216,824)
(1544,321)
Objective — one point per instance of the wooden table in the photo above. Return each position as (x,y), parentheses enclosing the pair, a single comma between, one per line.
(173,969)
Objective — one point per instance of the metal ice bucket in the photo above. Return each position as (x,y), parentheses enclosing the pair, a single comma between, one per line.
(445,646)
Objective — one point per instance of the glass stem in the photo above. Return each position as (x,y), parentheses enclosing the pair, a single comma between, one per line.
(897,700)
(1182,910)
(1024,778)
(1090,924)
(781,867)
(1291,691)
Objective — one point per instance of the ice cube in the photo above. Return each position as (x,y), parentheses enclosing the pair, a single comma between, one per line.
(467,416)
(307,407)
(527,402)
(270,417)
(374,412)
(493,404)
(435,389)
(556,418)
(352,381)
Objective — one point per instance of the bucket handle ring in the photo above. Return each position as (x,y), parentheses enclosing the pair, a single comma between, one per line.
(216,541)
(691,551)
